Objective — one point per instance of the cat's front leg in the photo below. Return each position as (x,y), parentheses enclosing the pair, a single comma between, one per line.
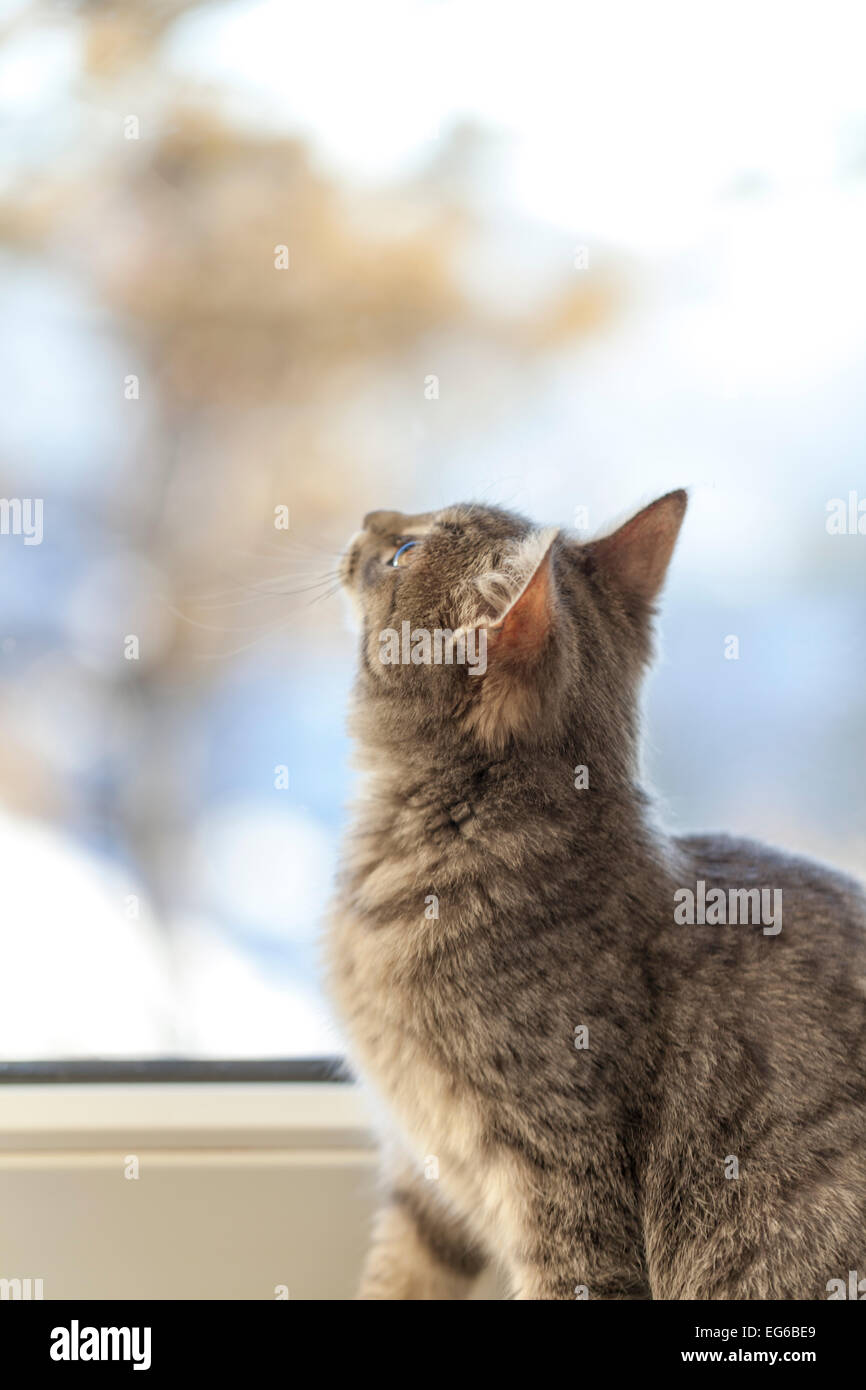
(579,1243)
(421,1249)
(539,1282)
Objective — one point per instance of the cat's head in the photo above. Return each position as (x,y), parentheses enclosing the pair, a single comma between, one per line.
(479,626)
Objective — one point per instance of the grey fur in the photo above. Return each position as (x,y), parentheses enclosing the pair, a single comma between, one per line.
(597,1171)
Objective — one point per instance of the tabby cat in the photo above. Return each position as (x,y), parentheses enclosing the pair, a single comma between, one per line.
(582,1075)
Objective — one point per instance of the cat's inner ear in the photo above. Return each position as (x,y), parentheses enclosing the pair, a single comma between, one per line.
(525,625)
(637,555)
(520,616)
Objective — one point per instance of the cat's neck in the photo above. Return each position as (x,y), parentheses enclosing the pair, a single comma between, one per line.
(499,837)
(521,792)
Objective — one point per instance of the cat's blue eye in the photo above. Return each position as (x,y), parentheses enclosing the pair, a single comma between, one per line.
(407,545)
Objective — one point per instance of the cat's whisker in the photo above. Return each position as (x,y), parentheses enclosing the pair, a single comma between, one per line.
(266,589)
(195,622)
(270,593)
(268,632)
(329,593)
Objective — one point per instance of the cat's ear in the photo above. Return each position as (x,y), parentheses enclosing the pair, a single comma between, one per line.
(636,556)
(519,645)
(524,627)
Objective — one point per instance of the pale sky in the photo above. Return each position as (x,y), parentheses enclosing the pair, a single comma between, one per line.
(626,118)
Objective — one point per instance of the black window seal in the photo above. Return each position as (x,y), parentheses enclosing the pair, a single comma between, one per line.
(108,1070)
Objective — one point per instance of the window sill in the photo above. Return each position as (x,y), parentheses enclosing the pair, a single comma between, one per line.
(155,1115)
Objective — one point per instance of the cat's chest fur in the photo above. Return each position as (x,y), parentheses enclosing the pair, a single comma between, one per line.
(402,1025)
(456,966)
(420,1033)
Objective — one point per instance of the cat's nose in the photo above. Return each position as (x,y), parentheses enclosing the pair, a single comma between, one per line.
(383,522)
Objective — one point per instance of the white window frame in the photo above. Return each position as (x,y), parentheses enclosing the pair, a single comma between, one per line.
(246,1189)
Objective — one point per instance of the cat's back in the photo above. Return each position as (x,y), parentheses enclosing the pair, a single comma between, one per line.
(787,979)
(814,898)
(763,1067)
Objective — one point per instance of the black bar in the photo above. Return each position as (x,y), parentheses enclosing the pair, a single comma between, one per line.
(98,1070)
(228,1341)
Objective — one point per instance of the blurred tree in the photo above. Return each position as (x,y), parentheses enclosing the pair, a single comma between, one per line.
(260,385)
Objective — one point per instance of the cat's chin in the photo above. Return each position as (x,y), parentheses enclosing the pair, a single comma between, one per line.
(352,610)
(353,616)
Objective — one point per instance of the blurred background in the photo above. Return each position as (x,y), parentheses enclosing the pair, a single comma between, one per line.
(267,266)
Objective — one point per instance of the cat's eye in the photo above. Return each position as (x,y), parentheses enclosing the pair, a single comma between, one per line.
(397,560)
